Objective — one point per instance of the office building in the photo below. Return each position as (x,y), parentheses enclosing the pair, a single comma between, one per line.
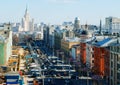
(112,24)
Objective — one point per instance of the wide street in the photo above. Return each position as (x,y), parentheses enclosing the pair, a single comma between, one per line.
(48,69)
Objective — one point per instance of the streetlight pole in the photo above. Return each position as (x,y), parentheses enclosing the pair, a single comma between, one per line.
(62,56)
(87,77)
(69,68)
(57,53)
(43,77)
(53,50)
(88,74)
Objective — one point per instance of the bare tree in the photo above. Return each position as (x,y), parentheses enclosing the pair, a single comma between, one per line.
(15,40)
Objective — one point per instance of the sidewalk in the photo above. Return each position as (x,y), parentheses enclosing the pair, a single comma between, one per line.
(25,80)
(22,67)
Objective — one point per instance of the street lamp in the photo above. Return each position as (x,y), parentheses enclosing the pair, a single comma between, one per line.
(87,77)
(69,68)
(53,50)
(62,53)
(88,73)
(43,75)
(57,53)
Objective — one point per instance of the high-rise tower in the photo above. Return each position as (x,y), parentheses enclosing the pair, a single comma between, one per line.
(27,24)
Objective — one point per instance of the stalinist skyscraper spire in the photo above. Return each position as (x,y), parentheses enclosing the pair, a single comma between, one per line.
(27,24)
(26,9)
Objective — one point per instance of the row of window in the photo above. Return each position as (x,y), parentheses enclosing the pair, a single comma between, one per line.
(115,56)
(115,48)
(111,83)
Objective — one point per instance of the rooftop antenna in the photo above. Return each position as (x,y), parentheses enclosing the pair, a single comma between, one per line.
(86,26)
(100,26)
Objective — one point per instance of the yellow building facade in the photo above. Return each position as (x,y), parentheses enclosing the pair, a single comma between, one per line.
(66,44)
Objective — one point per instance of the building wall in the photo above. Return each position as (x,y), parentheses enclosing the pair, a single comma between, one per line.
(89,56)
(78,53)
(107,62)
(2,59)
(113,24)
(5,43)
(37,36)
(83,53)
(115,65)
(57,41)
(46,34)
(101,61)
(51,36)
(9,46)
(66,46)
(75,52)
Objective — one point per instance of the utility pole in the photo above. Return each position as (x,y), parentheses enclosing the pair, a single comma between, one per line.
(53,50)
(87,78)
(43,77)
(69,68)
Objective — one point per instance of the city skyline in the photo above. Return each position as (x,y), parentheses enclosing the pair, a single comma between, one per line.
(58,11)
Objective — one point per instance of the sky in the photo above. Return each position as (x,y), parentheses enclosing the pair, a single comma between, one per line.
(58,11)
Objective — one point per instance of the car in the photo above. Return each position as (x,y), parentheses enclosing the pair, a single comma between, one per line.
(74,77)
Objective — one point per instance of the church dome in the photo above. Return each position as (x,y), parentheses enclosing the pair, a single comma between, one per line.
(77,18)
(84,32)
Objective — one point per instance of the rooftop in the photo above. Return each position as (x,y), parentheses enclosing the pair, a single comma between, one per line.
(105,42)
(74,39)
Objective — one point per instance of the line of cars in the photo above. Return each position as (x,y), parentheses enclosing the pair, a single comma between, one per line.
(47,66)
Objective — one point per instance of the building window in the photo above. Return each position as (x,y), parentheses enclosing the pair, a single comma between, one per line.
(111,82)
(111,64)
(118,66)
(111,56)
(118,58)
(5,32)
(118,83)
(118,76)
(92,61)
(119,49)
(111,73)
(112,48)
(78,48)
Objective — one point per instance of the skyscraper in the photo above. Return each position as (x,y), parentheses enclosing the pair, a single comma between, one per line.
(27,24)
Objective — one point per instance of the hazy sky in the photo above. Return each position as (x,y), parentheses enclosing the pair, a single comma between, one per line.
(57,11)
